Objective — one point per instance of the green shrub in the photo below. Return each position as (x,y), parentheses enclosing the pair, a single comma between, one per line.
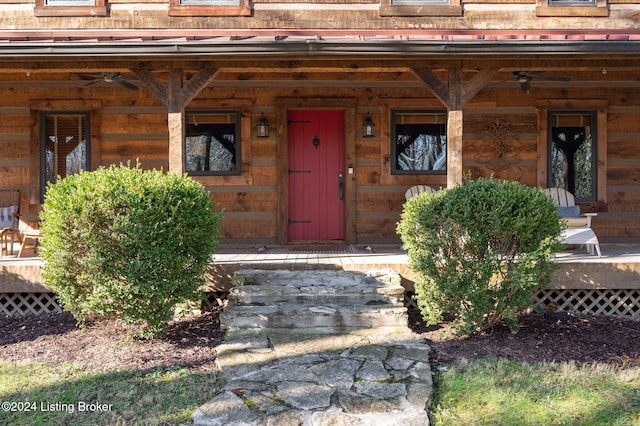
(122,241)
(479,250)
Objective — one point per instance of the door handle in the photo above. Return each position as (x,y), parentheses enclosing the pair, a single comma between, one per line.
(340,185)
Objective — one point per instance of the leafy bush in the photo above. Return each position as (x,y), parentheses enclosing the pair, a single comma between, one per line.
(479,250)
(122,241)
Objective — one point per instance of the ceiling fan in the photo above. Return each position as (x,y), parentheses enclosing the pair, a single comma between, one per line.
(525,78)
(107,77)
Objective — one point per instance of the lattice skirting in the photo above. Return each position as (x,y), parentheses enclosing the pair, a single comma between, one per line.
(20,304)
(214,300)
(619,303)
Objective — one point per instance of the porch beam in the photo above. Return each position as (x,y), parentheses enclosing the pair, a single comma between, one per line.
(454,95)
(477,83)
(176,94)
(433,82)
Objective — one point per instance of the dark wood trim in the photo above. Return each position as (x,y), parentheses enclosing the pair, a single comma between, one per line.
(601,107)
(282,164)
(35,107)
(246,126)
(386,178)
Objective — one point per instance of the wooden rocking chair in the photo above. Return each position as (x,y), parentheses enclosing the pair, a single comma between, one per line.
(577,225)
(9,210)
(418,189)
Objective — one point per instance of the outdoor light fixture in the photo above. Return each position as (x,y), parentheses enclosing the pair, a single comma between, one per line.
(263,127)
(367,127)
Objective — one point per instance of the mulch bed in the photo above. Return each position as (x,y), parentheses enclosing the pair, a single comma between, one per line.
(191,342)
(108,344)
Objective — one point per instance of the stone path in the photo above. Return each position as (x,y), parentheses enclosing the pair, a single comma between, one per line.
(336,380)
(325,364)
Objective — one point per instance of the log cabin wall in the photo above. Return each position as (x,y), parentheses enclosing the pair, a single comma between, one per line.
(500,132)
(133,127)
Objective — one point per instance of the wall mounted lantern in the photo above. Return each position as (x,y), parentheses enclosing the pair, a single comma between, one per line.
(263,127)
(367,127)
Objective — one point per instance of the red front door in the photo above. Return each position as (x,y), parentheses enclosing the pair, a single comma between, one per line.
(316,175)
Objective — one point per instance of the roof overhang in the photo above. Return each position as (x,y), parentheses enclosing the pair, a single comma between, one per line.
(166,43)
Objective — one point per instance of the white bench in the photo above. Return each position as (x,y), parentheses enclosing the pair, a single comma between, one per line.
(582,236)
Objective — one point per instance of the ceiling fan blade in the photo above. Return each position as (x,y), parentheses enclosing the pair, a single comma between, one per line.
(124,83)
(88,76)
(91,83)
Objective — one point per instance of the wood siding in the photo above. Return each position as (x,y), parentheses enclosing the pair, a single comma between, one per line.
(498,129)
(133,128)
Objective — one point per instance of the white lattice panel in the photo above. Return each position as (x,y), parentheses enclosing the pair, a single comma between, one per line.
(620,303)
(19,304)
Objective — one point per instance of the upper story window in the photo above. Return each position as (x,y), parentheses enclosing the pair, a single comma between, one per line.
(209,8)
(572,2)
(418,142)
(212,142)
(419,2)
(420,8)
(572,8)
(210,2)
(66,8)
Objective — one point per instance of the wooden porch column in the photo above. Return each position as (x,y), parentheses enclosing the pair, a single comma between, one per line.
(176,95)
(176,142)
(454,96)
(455,126)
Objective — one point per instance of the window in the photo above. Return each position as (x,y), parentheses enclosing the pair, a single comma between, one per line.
(417,8)
(71,8)
(210,2)
(572,152)
(212,142)
(419,2)
(69,2)
(572,2)
(572,8)
(64,145)
(418,142)
(209,8)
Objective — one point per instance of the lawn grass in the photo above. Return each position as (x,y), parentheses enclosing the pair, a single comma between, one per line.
(482,392)
(66,395)
(501,392)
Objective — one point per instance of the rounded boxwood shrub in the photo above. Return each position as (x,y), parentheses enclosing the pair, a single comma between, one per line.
(128,242)
(480,250)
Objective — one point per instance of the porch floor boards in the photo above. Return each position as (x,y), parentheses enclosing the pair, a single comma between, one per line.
(615,253)
(619,266)
(619,253)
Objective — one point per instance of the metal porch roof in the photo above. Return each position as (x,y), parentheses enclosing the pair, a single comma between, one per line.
(185,42)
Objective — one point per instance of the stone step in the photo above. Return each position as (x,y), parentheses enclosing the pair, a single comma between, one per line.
(294,316)
(317,287)
(268,295)
(327,301)
(316,278)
